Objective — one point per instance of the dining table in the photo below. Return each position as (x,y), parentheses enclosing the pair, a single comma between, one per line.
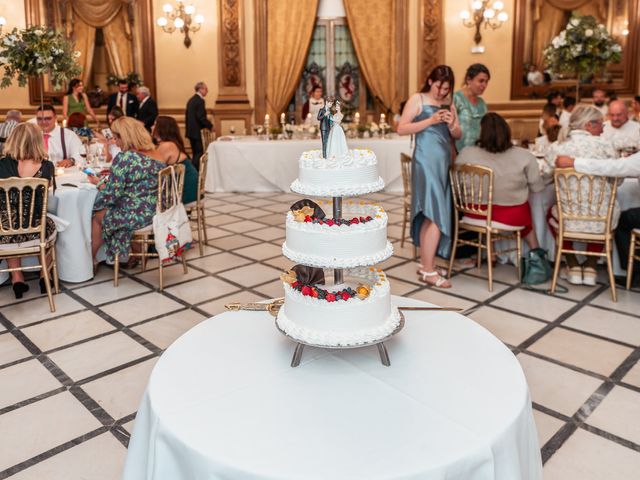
(223,402)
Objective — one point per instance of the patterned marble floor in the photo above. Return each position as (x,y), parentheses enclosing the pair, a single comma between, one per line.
(70,382)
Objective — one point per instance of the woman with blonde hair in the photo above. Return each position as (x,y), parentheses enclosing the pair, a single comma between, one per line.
(583,140)
(25,156)
(127,199)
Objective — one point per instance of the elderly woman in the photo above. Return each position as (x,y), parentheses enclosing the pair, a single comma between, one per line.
(127,199)
(584,140)
(25,157)
(515,175)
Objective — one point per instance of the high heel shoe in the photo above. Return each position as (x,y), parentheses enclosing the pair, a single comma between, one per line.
(19,288)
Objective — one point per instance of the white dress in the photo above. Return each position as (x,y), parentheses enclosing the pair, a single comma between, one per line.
(337,142)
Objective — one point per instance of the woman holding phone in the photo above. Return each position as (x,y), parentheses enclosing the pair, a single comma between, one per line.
(430,115)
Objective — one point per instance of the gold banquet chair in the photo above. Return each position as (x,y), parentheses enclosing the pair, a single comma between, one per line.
(144,236)
(472,189)
(196,210)
(405,165)
(14,223)
(207,136)
(583,198)
(633,255)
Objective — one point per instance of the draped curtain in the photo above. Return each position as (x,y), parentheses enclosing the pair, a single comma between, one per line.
(550,17)
(85,16)
(289,30)
(373,30)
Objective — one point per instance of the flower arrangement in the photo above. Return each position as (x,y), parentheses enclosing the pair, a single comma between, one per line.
(37,51)
(583,48)
(131,77)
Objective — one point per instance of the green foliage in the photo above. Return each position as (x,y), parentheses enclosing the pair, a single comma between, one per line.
(583,48)
(131,77)
(37,51)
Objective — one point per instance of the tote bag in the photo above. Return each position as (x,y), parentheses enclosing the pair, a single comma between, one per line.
(171,228)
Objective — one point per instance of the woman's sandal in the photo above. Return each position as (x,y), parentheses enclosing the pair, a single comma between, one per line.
(440,281)
(442,271)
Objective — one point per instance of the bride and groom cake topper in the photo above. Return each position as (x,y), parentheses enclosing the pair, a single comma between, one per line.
(334,142)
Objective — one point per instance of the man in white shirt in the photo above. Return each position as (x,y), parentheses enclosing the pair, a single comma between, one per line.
(63,146)
(619,130)
(569,103)
(600,101)
(629,219)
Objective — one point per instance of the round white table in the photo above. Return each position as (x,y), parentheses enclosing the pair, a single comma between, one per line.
(223,402)
(73,204)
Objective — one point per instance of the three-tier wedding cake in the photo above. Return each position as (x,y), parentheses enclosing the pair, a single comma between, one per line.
(357,310)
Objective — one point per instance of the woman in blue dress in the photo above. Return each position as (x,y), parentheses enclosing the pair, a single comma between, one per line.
(431,116)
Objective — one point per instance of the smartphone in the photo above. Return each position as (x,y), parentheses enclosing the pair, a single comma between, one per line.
(107,133)
(89,171)
(445,107)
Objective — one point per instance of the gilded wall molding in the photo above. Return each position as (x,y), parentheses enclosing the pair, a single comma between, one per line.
(431,37)
(230,43)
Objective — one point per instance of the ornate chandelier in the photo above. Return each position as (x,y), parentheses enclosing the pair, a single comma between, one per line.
(491,16)
(182,18)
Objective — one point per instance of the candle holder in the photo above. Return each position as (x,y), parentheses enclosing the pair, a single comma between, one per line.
(266,128)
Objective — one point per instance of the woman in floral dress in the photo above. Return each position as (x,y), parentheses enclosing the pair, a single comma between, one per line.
(470,105)
(127,199)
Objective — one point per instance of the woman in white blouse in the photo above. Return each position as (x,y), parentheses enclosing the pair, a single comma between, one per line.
(583,140)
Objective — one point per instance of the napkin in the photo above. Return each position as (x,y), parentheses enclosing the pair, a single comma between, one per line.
(86,186)
(61,224)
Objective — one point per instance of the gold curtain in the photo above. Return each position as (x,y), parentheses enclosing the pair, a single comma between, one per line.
(119,45)
(98,13)
(84,36)
(289,30)
(550,17)
(373,29)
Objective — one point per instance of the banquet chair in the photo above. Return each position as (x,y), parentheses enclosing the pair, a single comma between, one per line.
(207,136)
(472,189)
(583,198)
(144,237)
(633,255)
(43,247)
(196,210)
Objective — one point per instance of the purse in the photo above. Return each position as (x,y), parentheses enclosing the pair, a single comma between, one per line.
(172,228)
(535,267)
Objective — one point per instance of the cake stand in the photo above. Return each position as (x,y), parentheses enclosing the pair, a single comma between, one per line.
(338,277)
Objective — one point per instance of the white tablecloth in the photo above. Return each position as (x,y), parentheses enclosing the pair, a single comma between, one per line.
(223,403)
(73,245)
(250,165)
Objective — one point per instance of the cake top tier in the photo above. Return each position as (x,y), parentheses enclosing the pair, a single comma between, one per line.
(355,173)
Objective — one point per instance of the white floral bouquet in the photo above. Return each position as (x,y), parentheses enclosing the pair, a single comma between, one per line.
(37,51)
(583,48)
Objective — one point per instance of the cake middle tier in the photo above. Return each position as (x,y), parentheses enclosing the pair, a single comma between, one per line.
(359,239)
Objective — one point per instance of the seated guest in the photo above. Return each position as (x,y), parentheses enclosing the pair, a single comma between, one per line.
(585,129)
(552,132)
(568,104)
(515,174)
(126,201)
(170,150)
(25,156)
(548,118)
(629,219)
(76,123)
(635,116)
(13,118)
(600,101)
(313,105)
(622,133)
(62,145)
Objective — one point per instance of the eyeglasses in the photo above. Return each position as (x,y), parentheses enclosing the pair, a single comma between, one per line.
(44,119)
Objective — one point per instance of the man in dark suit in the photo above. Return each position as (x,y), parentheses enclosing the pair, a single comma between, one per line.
(147,108)
(196,120)
(124,99)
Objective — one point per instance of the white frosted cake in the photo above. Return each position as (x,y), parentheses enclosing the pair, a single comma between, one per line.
(355,312)
(355,173)
(358,240)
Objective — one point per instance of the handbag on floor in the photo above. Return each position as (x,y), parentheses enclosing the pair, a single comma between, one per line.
(171,228)
(535,267)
